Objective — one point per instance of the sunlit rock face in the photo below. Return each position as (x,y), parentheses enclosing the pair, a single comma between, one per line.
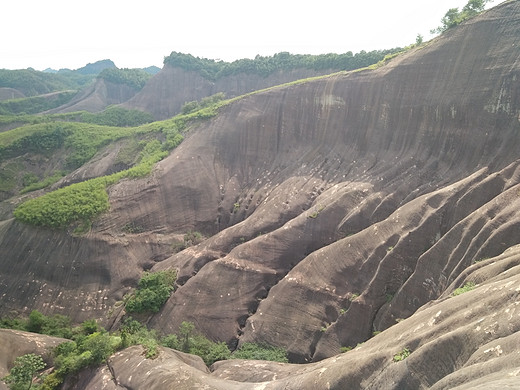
(333,209)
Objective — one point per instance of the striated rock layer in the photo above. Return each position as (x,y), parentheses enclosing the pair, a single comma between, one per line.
(334,209)
(97,97)
(164,94)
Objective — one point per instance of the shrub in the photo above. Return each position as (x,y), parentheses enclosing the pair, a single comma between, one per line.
(38,185)
(117,116)
(401,355)
(57,209)
(189,341)
(100,345)
(461,290)
(255,351)
(453,16)
(152,292)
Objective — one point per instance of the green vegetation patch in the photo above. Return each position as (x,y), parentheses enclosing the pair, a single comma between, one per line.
(90,345)
(35,104)
(454,17)
(41,138)
(32,183)
(24,371)
(190,341)
(402,355)
(461,290)
(116,116)
(262,351)
(264,66)
(134,78)
(32,82)
(152,292)
(59,208)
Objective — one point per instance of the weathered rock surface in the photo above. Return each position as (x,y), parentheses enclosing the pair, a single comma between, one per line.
(165,93)
(97,97)
(335,208)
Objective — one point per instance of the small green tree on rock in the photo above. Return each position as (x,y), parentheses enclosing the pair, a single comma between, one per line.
(24,371)
(454,17)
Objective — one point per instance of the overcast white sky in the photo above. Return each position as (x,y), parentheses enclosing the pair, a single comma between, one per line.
(69,34)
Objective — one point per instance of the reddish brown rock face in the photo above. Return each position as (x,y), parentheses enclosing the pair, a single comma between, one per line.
(334,209)
(166,93)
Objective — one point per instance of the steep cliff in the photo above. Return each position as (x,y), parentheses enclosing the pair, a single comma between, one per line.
(165,94)
(335,209)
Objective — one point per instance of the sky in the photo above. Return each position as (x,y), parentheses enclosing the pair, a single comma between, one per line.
(135,34)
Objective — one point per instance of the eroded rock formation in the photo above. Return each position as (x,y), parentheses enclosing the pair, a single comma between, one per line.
(165,93)
(335,208)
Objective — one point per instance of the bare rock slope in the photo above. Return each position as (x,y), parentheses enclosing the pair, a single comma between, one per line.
(164,94)
(97,97)
(335,209)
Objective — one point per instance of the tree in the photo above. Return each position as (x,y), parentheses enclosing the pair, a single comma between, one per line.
(474,7)
(186,332)
(454,17)
(36,321)
(23,372)
(261,351)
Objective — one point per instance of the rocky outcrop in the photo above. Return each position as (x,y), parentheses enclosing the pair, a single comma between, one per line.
(456,342)
(335,209)
(164,94)
(82,277)
(358,190)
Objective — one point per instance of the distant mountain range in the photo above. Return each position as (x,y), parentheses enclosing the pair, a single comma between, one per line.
(97,67)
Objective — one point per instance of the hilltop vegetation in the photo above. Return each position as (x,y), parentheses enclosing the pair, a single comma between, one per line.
(35,104)
(264,66)
(135,78)
(32,82)
(454,17)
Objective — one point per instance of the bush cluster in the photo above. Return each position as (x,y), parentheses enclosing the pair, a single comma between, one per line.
(90,345)
(254,351)
(208,101)
(454,17)
(134,78)
(461,290)
(116,116)
(57,209)
(152,292)
(35,104)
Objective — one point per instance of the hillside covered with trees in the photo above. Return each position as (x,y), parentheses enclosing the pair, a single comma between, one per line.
(284,61)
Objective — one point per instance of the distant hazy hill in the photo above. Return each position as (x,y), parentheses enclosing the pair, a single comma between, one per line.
(30,82)
(96,67)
